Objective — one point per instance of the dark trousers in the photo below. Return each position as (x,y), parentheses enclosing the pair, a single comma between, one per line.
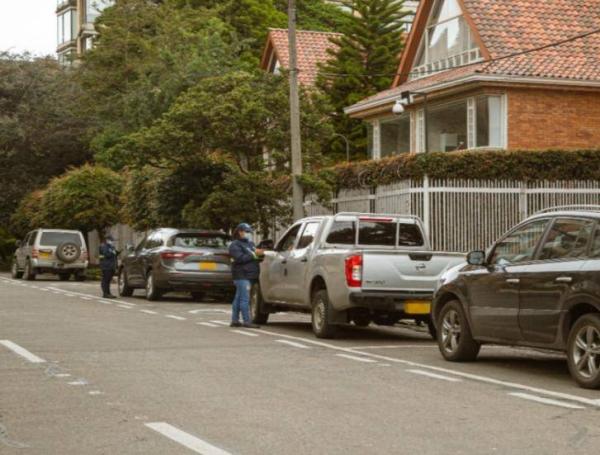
(107,276)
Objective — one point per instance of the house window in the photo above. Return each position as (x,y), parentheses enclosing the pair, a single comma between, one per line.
(93,9)
(395,136)
(447,127)
(489,121)
(447,42)
(66,27)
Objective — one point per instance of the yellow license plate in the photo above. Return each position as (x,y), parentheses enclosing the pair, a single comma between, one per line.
(207,266)
(417,307)
(45,255)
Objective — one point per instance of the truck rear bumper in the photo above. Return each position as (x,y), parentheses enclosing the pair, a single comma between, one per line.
(412,303)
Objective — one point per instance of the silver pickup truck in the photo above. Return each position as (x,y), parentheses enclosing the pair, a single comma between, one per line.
(351,267)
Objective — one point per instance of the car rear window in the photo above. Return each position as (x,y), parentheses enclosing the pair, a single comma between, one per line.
(201,241)
(380,233)
(56,238)
(342,233)
(410,235)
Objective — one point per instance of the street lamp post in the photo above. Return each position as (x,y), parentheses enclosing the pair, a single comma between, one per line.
(347,145)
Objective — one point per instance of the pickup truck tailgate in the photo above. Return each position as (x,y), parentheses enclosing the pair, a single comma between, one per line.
(406,271)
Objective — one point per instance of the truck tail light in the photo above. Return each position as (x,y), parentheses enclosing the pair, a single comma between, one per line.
(84,255)
(35,254)
(172,255)
(354,270)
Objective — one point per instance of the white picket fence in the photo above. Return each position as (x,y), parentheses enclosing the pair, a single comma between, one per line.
(462,215)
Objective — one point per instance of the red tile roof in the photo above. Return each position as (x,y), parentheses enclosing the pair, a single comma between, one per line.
(507,27)
(312,50)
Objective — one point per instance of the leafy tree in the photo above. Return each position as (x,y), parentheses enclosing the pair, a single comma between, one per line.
(364,63)
(317,15)
(85,198)
(27,215)
(42,128)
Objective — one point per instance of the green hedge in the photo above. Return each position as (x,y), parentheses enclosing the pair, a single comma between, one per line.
(524,165)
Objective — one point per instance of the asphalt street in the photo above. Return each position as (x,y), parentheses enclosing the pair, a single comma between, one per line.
(83,375)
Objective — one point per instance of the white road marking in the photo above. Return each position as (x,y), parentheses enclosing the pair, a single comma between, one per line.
(127,307)
(242,332)
(62,375)
(94,392)
(22,351)
(398,346)
(44,289)
(434,376)
(185,439)
(221,323)
(207,324)
(148,311)
(356,358)
(78,382)
(209,310)
(472,377)
(86,298)
(562,404)
(104,302)
(293,343)
(172,316)
(81,294)
(70,295)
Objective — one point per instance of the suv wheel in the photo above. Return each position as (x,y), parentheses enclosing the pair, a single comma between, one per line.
(454,334)
(583,351)
(14,270)
(28,273)
(321,315)
(257,313)
(122,285)
(152,292)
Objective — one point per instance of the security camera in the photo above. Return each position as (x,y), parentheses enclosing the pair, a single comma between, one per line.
(398,108)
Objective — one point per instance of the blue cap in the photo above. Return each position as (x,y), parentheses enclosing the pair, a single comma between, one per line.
(244,227)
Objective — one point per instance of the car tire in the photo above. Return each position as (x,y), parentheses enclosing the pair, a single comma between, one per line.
(257,306)
(198,296)
(64,276)
(152,292)
(80,276)
(361,319)
(14,270)
(454,334)
(321,315)
(28,273)
(123,287)
(583,351)
(431,328)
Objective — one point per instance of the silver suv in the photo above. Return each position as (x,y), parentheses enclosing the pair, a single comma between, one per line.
(56,251)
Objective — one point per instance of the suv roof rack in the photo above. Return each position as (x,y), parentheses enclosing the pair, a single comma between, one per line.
(578,208)
(395,215)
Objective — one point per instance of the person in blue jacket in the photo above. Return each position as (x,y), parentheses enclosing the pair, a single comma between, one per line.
(108,265)
(245,269)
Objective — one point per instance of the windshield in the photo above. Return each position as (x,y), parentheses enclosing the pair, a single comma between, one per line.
(56,238)
(201,241)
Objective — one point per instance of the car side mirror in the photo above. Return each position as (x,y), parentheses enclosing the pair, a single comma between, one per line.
(266,245)
(18,244)
(476,258)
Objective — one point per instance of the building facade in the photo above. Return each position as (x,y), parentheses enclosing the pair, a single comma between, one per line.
(492,74)
(75,27)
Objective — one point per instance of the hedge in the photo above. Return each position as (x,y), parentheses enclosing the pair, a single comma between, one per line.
(522,165)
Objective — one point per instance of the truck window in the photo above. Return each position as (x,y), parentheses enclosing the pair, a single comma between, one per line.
(308,235)
(342,233)
(287,242)
(380,233)
(410,235)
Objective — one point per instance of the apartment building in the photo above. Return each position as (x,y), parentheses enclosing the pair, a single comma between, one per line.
(75,27)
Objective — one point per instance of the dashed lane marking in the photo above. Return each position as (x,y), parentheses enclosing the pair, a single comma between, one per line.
(535,398)
(293,343)
(21,351)
(177,318)
(126,307)
(148,311)
(223,323)
(207,324)
(243,332)
(185,439)
(356,358)
(78,382)
(209,310)
(434,375)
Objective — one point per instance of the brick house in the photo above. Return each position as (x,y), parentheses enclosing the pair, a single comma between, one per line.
(490,74)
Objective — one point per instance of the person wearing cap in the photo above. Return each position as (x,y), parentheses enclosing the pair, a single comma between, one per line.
(245,270)
(108,265)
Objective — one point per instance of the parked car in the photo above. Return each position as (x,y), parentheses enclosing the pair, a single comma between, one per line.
(538,286)
(194,261)
(57,251)
(351,267)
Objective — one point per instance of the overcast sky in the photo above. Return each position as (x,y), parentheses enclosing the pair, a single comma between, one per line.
(28,25)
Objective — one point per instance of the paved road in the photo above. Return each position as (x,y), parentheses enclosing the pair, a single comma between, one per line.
(84,375)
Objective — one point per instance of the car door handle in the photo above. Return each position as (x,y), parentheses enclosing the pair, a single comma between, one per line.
(284,261)
(304,260)
(564,279)
(513,280)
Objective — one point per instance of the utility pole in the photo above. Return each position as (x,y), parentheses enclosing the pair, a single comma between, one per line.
(296,146)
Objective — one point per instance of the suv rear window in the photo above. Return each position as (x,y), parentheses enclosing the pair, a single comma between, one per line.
(200,241)
(380,233)
(342,233)
(56,238)
(410,235)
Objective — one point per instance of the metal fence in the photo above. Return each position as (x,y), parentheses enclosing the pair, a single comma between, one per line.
(462,215)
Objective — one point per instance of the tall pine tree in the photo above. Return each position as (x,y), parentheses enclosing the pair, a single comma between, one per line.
(364,63)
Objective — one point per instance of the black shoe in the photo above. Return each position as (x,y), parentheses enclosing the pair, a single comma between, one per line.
(249,325)
(109,296)
(235,324)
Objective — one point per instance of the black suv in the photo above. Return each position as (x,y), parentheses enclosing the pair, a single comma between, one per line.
(193,261)
(538,286)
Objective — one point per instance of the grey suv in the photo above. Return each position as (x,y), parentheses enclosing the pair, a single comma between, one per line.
(55,251)
(194,261)
(538,286)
